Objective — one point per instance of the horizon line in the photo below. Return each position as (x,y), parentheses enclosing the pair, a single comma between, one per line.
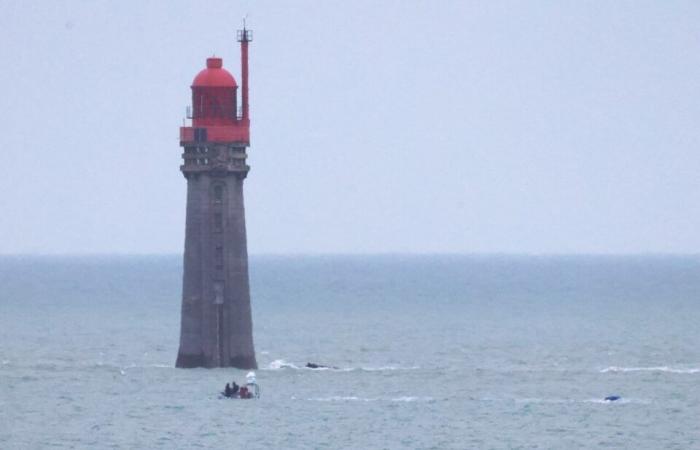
(361,254)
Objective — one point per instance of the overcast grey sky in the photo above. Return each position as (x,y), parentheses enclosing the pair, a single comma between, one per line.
(525,127)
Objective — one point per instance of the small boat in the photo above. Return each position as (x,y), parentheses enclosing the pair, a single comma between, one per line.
(612,398)
(250,390)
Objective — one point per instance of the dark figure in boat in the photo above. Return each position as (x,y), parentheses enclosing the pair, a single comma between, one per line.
(310,365)
(245,393)
(231,391)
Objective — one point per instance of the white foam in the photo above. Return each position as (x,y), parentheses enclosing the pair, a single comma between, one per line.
(352,398)
(146,366)
(603,401)
(542,400)
(651,369)
(340,398)
(280,364)
(387,368)
(619,401)
(600,401)
(412,399)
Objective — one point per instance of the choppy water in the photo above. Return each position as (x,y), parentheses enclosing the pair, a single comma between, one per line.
(432,352)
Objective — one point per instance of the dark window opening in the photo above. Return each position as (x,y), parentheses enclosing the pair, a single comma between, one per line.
(219,258)
(200,134)
(218,222)
(218,193)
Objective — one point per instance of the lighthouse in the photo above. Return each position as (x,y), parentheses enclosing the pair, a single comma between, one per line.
(216,326)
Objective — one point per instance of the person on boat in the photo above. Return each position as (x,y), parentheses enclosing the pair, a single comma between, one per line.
(227,390)
(234,388)
(243,392)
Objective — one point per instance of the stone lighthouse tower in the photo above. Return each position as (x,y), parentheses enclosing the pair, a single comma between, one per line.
(216,328)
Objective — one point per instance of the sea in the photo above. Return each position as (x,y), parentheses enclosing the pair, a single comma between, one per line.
(428,352)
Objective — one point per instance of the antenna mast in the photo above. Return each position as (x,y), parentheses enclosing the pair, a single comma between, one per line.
(244,36)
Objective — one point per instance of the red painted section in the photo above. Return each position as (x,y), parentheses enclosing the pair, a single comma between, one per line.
(214,75)
(214,105)
(231,133)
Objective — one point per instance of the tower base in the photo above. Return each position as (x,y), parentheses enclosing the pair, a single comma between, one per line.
(185,361)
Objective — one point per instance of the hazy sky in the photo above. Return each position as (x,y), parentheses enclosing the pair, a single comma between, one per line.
(526,127)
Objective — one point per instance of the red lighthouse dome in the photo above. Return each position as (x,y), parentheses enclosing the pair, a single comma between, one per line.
(214,95)
(214,75)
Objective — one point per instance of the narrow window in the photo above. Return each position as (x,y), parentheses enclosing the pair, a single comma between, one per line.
(219,258)
(218,222)
(218,193)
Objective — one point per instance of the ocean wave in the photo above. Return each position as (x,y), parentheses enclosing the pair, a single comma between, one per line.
(412,399)
(601,401)
(148,366)
(123,369)
(621,401)
(280,364)
(651,369)
(352,398)
(341,398)
(385,368)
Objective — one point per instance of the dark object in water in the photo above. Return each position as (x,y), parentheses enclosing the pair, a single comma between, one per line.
(310,365)
(612,398)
